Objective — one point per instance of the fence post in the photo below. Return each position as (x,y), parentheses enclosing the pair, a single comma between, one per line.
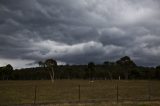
(149,91)
(35,94)
(79,93)
(117,96)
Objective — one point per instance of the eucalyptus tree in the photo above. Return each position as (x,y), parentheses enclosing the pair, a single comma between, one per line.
(91,68)
(6,71)
(157,72)
(127,65)
(51,64)
(108,65)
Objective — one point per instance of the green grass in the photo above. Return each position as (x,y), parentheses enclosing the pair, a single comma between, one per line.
(64,91)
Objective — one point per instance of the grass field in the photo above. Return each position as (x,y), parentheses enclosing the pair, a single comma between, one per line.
(108,104)
(99,92)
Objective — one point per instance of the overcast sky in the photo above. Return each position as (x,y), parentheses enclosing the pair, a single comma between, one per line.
(79,31)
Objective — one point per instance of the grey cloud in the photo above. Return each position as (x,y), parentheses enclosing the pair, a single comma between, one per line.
(76,53)
(80,31)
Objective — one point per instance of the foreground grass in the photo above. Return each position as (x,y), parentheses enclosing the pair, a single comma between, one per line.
(63,91)
(103,104)
(108,104)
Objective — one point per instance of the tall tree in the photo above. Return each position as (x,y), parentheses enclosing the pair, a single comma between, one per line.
(91,68)
(108,65)
(51,65)
(127,64)
(157,73)
(7,71)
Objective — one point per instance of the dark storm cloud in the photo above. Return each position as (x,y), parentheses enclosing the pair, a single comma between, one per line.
(79,31)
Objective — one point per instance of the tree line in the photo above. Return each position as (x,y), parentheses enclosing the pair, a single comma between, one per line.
(124,68)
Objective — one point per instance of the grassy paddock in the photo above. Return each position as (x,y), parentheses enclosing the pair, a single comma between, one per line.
(64,91)
(108,104)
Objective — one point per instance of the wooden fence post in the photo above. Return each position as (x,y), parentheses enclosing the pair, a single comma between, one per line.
(79,93)
(117,93)
(35,94)
(149,91)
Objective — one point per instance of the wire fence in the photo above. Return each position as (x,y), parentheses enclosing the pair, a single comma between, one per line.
(29,94)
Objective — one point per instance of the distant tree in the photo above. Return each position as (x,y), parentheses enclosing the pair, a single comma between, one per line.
(135,74)
(127,64)
(108,65)
(126,61)
(51,65)
(41,64)
(157,73)
(6,71)
(91,68)
(1,73)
